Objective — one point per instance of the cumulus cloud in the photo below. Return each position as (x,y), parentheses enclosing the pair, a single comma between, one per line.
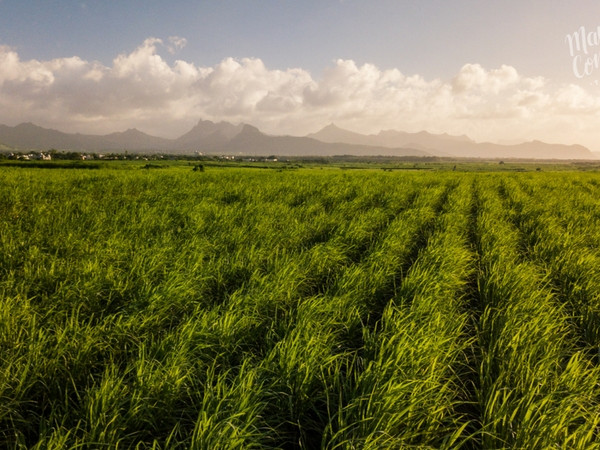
(176,43)
(474,78)
(141,89)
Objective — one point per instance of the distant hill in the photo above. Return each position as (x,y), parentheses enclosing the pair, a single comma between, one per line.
(206,137)
(28,136)
(334,134)
(391,138)
(532,149)
(133,139)
(226,138)
(252,141)
(207,134)
(455,146)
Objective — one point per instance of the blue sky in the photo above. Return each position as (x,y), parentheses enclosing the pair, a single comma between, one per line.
(493,70)
(432,38)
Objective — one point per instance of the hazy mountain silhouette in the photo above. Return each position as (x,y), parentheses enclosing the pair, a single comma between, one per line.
(334,134)
(252,141)
(133,139)
(456,146)
(28,136)
(205,137)
(386,138)
(207,134)
(226,138)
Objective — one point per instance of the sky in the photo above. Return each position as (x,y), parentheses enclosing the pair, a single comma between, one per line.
(502,71)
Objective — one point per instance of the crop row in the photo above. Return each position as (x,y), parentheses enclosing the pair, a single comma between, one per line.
(314,309)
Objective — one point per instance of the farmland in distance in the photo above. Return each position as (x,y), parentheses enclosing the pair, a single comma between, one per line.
(314,308)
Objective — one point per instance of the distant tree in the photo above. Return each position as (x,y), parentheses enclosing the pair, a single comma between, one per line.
(64,155)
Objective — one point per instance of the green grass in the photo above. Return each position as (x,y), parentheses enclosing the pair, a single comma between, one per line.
(313,308)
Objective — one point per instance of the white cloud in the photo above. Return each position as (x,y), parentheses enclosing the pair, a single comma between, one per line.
(474,78)
(141,89)
(176,43)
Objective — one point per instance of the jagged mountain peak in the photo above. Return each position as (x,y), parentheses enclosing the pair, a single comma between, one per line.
(246,129)
(332,126)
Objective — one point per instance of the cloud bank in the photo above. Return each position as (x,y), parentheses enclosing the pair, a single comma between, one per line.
(143,90)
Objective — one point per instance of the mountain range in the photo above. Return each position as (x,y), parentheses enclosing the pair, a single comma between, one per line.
(225,138)
(454,146)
